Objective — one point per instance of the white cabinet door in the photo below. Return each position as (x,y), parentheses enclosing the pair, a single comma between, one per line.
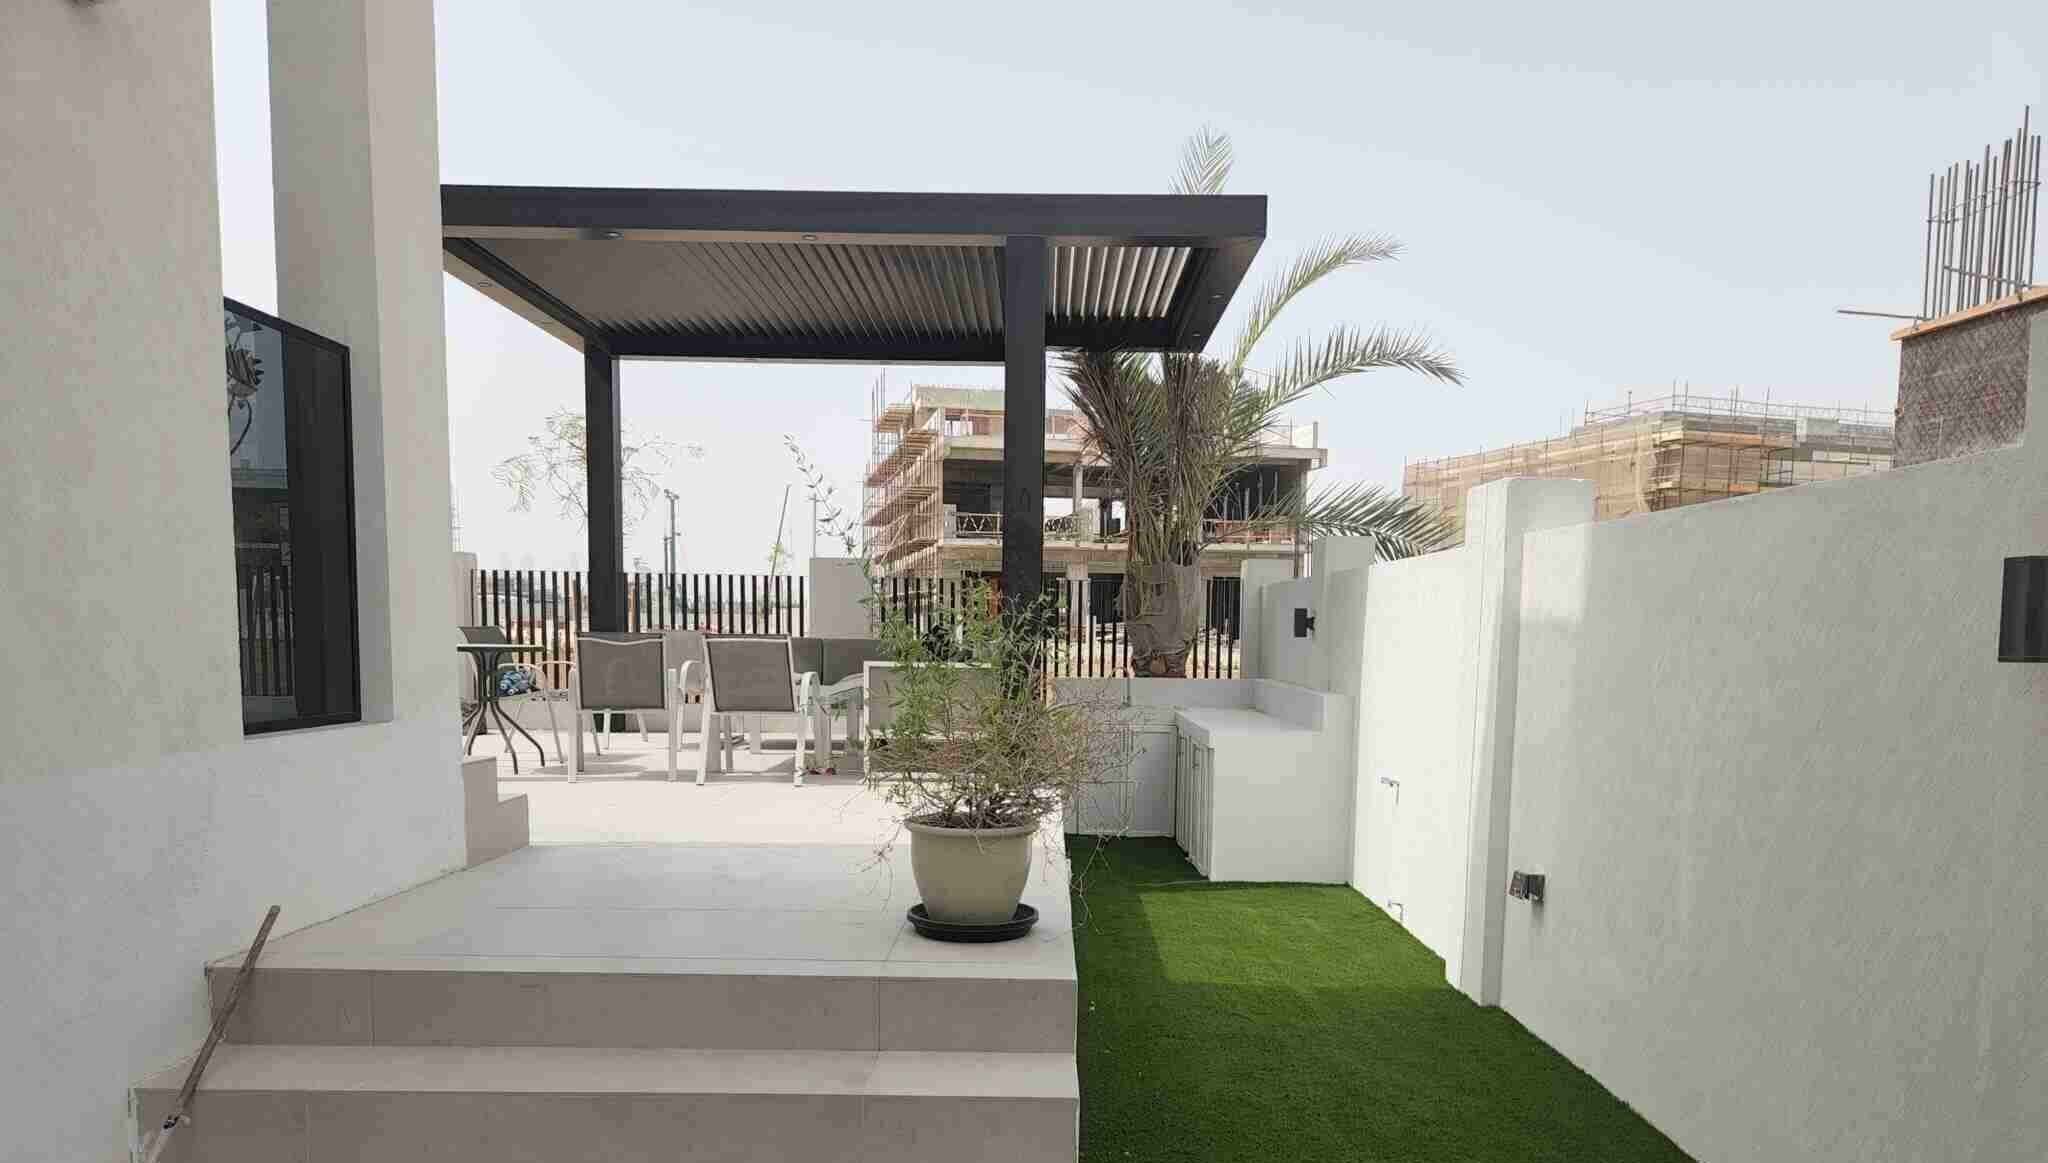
(1153,778)
(1192,814)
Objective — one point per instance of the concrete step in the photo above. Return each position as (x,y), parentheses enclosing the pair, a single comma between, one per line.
(326,1104)
(493,824)
(678,1003)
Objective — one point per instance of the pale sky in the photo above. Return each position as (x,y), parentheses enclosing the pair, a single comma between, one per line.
(1595,198)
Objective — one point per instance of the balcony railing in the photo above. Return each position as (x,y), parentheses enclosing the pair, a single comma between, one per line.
(1083,527)
(1232,532)
(977,526)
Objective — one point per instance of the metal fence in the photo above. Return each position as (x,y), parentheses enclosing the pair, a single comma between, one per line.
(1089,639)
(263,617)
(550,607)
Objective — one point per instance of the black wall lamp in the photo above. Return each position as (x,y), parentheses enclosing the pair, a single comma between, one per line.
(1304,622)
(2023,612)
(1526,886)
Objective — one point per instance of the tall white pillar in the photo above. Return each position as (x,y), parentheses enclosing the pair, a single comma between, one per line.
(356,167)
(1254,575)
(1497,515)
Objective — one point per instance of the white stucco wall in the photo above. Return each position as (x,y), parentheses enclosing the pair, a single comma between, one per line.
(116,570)
(1416,716)
(1282,656)
(140,833)
(836,599)
(1792,814)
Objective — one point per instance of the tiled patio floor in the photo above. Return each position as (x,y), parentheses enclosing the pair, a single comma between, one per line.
(715,855)
(625,797)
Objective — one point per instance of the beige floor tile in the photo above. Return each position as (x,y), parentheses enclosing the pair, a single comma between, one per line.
(975,1075)
(712,1011)
(309,1007)
(985,1130)
(978,1014)
(458,1009)
(553,1128)
(231,1128)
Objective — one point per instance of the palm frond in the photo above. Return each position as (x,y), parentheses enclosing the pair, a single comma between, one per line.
(1311,266)
(1403,526)
(1204,163)
(1347,350)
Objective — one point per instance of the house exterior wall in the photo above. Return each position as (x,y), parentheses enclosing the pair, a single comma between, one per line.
(111,436)
(140,833)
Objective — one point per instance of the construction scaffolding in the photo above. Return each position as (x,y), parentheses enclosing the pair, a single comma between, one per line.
(1648,455)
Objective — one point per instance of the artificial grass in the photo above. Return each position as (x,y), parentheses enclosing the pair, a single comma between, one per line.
(1299,1023)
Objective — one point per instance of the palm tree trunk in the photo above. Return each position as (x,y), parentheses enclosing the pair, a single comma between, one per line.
(1162,611)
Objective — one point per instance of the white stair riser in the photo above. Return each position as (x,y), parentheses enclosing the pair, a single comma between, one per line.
(687,1011)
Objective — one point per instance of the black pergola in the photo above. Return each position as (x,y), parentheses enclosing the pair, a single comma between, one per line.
(813,277)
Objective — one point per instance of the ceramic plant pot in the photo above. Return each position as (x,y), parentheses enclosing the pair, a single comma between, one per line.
(971,876)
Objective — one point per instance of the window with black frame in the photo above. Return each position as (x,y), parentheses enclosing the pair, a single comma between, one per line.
(289,460)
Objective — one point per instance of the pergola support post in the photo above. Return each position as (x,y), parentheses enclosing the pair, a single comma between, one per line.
(604,460)
(1025,260)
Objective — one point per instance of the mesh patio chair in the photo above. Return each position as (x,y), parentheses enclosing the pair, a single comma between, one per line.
(619,673)
(752,678)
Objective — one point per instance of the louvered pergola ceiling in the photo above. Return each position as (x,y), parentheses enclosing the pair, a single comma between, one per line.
(851,277)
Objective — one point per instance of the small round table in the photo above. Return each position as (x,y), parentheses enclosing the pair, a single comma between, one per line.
(486,655)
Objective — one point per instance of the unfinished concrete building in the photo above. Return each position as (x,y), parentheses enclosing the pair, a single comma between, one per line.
(1680,449)
(934,489)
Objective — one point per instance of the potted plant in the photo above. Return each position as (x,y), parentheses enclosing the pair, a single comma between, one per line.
(982,749)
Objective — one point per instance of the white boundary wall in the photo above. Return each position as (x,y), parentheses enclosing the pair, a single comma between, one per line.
(1790,807)
(140,833)
(1419,695)
(1794,815)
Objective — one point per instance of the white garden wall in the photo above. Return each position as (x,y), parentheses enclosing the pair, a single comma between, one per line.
(1792,814)
(1417,691)
(1789,806)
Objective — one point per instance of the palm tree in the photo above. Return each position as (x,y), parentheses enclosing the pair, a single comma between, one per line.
(1175,428)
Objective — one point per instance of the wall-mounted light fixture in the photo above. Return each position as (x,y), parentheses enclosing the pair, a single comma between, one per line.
(1526,886)
(1304,622)
(2023,611)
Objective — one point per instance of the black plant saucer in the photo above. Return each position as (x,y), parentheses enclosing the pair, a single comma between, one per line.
(1009,930)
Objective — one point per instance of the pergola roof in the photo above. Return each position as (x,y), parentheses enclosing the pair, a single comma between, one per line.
(853,277)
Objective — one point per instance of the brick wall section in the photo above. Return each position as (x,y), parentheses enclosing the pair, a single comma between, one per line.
(1963,388)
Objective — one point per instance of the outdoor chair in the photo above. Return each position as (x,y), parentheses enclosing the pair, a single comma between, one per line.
(548,678)
(752,679)
(619,673)
(841,689)
(550,685)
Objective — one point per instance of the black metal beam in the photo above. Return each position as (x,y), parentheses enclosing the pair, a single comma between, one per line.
(799,348)
(605,488)
(1135,334)
(1026,266)
(583,211)
(1205,293)
(516,285)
